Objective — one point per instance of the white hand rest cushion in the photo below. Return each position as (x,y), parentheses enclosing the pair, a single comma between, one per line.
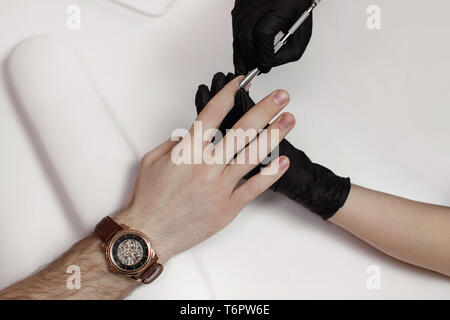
(80,139)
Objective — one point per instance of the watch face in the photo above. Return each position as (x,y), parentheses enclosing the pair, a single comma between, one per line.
(129,252)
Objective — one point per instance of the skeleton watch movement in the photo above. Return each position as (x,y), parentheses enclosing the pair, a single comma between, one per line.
(129,252)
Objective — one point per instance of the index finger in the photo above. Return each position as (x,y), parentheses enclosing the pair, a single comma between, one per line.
(219,106)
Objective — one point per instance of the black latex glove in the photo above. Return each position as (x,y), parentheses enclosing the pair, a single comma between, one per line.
(307,183)
(255,25)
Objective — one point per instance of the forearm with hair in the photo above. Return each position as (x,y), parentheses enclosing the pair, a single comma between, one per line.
(51,281)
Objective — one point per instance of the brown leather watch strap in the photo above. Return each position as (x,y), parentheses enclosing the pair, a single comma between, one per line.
(106,229)
(152,272)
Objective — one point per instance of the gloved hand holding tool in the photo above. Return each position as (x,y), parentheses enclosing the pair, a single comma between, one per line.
(259,25)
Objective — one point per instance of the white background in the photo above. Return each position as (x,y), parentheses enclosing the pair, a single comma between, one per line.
(372,105)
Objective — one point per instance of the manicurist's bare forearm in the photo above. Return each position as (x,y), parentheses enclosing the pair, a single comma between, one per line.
(51,282)
(410,231)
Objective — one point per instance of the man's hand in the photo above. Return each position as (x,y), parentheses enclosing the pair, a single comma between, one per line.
(307,183)
(179,206)
(255,25)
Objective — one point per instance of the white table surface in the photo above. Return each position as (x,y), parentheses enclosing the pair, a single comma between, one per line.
(373,105)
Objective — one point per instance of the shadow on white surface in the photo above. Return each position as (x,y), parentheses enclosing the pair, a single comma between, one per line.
(305,219)
(308,219)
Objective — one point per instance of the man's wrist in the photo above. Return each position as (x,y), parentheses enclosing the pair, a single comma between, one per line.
(133,219)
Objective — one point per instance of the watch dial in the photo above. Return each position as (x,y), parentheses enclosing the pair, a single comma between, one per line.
(129,252)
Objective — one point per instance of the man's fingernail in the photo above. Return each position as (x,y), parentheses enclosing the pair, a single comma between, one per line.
(286,121)
(281,97)
(239,80)
(284,163)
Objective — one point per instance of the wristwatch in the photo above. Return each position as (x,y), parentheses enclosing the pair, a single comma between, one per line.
(129,252)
